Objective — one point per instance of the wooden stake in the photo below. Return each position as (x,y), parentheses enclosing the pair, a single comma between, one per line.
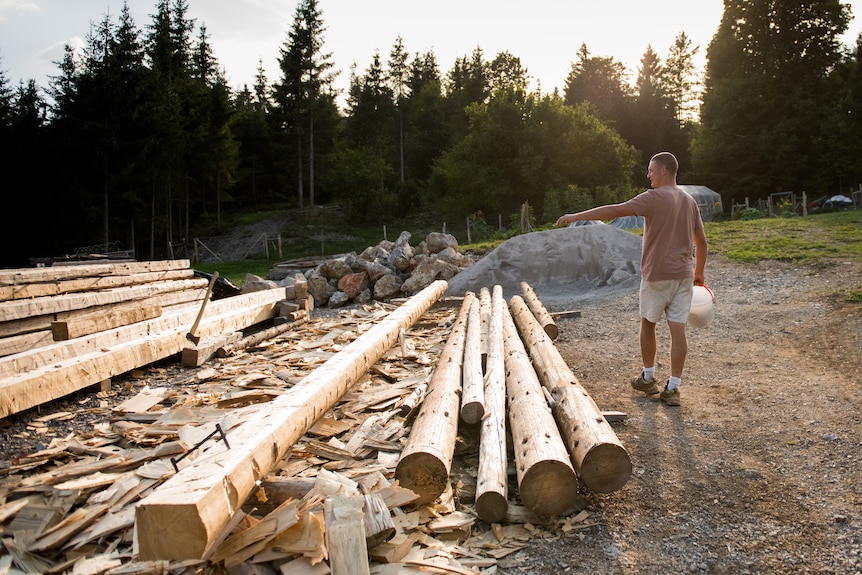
(427,458)
(542,316)
(602,462)
(180,519)
(491,489)
(473,399)
(547,482)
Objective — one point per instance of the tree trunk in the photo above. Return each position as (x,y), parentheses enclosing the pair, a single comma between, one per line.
(491,492)
(542,316)
(547,482)
(300,195)
(427,458)
(602,462)
(311,160)
(182,518)
(473,398)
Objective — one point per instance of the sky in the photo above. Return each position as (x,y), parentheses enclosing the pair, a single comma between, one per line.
(545,34)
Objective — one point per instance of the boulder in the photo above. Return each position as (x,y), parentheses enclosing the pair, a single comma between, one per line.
(255,283)
(452,256)
(353,284)
(319,288)
(334,269)
(338,299)
(436,242)
(364,296)
(426,273)
(401,254)
(387,287)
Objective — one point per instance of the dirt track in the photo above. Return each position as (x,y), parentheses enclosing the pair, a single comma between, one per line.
(760,469)
(757,472)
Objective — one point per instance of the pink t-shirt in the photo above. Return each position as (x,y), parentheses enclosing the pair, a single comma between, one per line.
(671,220)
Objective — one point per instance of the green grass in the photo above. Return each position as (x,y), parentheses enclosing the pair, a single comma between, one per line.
(836,235)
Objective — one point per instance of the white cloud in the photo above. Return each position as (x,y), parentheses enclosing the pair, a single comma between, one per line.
(17,7)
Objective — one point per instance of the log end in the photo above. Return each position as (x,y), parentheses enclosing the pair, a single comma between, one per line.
(423,474)
(549,488)
(552,331)
(491,507)
(472,412)
(606,468)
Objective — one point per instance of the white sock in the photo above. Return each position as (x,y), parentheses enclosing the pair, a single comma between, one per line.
(673,383)
(649,373)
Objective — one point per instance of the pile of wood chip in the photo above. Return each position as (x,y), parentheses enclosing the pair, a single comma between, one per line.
(101,501)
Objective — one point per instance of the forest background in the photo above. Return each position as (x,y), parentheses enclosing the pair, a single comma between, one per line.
(139,143)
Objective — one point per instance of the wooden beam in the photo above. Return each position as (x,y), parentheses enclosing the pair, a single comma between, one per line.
(116,316)
(547,483)
(181,317)
(491,488)
(183,516)
(168,301)
(536,306)
(52,379)
(208,348)
(18,309)
(427,457)
(25,342)
(473,398)
(601,461)
(58,273)
(55,288)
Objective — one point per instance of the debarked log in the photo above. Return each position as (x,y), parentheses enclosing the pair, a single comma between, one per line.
(545,319)
(427,458)
(473,398)
(547,483)
(491,487)
(182,518)
(601,461)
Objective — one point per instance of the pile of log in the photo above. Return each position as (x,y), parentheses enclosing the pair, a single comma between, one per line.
(382,272)
(65,328)
(315,451)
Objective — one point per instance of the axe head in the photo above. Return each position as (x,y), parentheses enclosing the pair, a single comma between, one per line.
(193,338)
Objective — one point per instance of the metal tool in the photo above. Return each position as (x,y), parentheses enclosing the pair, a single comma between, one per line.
(218,431)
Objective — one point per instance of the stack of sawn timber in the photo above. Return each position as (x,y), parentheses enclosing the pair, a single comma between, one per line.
(486,366)
(65,328)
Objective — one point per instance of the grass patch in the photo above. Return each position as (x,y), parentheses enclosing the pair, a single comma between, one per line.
(836,235)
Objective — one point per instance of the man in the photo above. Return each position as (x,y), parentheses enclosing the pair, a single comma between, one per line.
(672,225)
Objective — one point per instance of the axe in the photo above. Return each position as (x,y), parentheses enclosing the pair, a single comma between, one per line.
(191,335)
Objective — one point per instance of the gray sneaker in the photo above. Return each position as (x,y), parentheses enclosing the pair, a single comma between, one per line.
(671,398)
(648,387)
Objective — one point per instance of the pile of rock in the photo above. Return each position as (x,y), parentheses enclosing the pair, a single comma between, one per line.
(381,272)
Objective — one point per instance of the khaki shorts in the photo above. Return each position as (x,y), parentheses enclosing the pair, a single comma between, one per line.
(669,297)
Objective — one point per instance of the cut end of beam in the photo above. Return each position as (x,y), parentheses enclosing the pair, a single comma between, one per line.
(491,507)
(549,488)
(472,412)
(153,521)
(606,468)
(423,474)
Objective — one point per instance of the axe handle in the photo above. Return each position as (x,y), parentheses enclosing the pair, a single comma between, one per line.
(204,304)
